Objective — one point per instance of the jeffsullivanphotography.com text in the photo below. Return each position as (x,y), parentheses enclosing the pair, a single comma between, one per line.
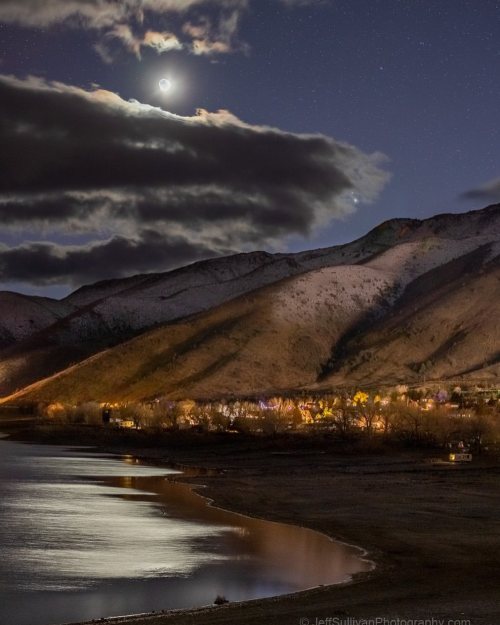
(381,620)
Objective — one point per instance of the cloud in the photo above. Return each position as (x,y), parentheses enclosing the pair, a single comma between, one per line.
(160,41)
(207,27)
(96,14)
(124,21)
(488,192)
(209,39)
(78,162)
(46,264)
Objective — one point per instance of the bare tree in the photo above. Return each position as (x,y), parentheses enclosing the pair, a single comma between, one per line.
(344,417)
(369,414)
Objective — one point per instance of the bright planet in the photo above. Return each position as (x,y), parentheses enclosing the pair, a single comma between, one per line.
(165,85)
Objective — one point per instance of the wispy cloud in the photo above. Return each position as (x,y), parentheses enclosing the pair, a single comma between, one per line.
(42,263)
(207,27)
(488,192)
(202,27)
(160,41)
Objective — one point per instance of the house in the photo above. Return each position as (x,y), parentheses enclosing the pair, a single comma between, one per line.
(460,457)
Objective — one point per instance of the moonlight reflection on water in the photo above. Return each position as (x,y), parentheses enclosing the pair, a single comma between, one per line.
(84,536)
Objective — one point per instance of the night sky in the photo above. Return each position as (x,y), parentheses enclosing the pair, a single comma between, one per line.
(316,121)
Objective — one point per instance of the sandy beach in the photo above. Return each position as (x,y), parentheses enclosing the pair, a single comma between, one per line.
(432,530)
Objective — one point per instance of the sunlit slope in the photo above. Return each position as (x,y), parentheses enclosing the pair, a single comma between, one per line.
(110,313)
(114,311)
(446,326)
(274,339)
(117,308)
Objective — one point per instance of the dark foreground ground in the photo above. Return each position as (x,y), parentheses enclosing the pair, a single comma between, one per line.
(433,530)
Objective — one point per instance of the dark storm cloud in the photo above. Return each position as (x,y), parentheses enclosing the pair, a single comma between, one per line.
(49,263)
(83,213)
(489,192)
(26,210)
(77,162)
(58,139)
(63,139)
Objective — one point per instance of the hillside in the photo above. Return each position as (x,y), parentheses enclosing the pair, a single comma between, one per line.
(411,298)
(251,343)
(21,316)
(111,312)
(444,327)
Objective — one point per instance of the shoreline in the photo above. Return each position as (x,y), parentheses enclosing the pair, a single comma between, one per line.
(424,567)
(185,473)
(194,489)
(363,553)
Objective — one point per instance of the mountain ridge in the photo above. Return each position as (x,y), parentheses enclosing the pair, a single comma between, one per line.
(376,271)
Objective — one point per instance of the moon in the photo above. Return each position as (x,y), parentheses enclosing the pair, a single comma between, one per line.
(165,85)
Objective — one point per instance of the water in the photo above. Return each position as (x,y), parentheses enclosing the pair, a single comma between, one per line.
(84,536)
